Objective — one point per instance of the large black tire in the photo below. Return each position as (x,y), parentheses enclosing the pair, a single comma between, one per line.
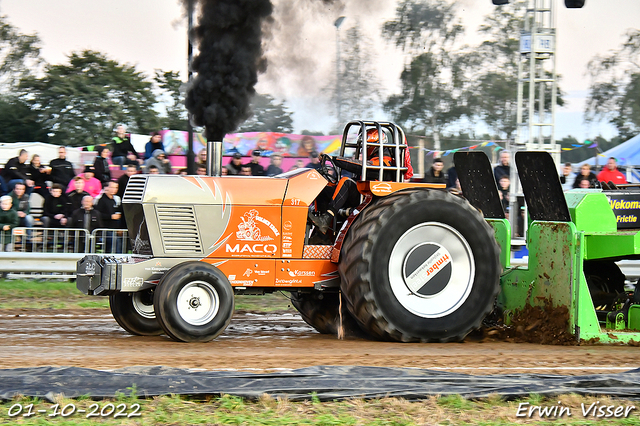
(194,302)
(321,310)
(420,265)
(134,312)
(605,281)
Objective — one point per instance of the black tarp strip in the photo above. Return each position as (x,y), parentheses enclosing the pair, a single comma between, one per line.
(328,382)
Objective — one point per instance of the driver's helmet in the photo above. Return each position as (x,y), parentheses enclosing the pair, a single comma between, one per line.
(373,136)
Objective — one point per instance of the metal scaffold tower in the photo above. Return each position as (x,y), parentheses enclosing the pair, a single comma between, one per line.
(537,91)
(537,85)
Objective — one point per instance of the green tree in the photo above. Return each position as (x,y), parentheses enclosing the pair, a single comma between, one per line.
(434,83)
(495,91)
(423,26)
(576,152)
(81,102)
(18,123)
(614,92)
(496,102)
(19,54)
(19,58)
(268,115)
(312,133)
(360,94)
(176,113)
(580,151)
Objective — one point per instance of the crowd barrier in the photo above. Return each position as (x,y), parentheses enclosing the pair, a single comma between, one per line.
(53,252)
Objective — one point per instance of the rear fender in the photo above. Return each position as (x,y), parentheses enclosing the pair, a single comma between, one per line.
(384,188)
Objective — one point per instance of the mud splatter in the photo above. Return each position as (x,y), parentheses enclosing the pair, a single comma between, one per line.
(546,325)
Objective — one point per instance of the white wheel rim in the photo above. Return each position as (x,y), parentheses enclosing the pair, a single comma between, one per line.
(198,303)
(143,309)
(431,270)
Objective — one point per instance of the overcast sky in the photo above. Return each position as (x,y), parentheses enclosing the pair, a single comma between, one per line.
(152,35)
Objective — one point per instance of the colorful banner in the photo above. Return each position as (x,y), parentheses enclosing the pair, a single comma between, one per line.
(577,146)
(497,148)
(437,154)
(289,145)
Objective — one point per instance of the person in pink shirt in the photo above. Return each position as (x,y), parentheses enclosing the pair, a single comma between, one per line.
(611,174)
(92,185)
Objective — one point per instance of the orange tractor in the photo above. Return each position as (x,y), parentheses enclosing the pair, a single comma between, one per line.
(410,261)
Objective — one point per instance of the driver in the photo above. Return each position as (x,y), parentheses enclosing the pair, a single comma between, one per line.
(345,191)
(387,159)
(373,158)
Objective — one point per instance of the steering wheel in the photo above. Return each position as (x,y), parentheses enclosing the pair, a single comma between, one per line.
(324,170)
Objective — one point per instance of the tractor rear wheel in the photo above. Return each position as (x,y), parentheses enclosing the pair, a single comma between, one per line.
(321,310)
(420,265)
(134,312)
(194,302)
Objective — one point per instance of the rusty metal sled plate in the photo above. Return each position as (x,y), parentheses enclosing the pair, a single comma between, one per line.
(478,184)
(541,186)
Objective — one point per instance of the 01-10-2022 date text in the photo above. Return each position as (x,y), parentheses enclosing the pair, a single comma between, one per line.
(94,410)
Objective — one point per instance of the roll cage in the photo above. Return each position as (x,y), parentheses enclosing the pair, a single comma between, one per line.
(395,146)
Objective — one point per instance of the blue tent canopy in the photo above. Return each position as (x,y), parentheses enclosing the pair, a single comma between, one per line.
(627,154)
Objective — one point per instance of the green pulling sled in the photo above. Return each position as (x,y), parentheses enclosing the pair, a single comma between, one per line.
(573,239)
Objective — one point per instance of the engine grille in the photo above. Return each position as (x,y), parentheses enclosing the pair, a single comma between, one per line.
(179,229)
(135,189)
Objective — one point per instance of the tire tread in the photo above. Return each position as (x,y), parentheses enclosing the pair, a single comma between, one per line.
(357,255)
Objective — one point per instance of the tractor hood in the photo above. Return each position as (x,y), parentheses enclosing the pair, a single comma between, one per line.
(205,216)
(170,215)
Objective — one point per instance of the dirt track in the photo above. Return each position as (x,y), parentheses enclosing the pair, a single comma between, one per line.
(91,338)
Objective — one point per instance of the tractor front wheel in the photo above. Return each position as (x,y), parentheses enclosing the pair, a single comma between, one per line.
(194,302)
(420,265)
(134,312)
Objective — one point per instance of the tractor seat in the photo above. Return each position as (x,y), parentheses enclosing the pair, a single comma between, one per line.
(349,164)
(355,166)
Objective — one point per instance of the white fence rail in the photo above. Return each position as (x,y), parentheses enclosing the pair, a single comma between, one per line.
(39,264)
(68,240)
(53,252)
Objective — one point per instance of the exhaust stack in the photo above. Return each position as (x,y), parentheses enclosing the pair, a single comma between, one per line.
(214,158)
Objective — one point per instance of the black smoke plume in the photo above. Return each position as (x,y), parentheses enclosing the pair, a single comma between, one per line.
(228,37)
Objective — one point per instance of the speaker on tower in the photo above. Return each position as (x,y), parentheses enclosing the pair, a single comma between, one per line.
(574,4)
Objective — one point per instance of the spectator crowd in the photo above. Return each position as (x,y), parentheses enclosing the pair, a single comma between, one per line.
(585,178)
(92,199)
